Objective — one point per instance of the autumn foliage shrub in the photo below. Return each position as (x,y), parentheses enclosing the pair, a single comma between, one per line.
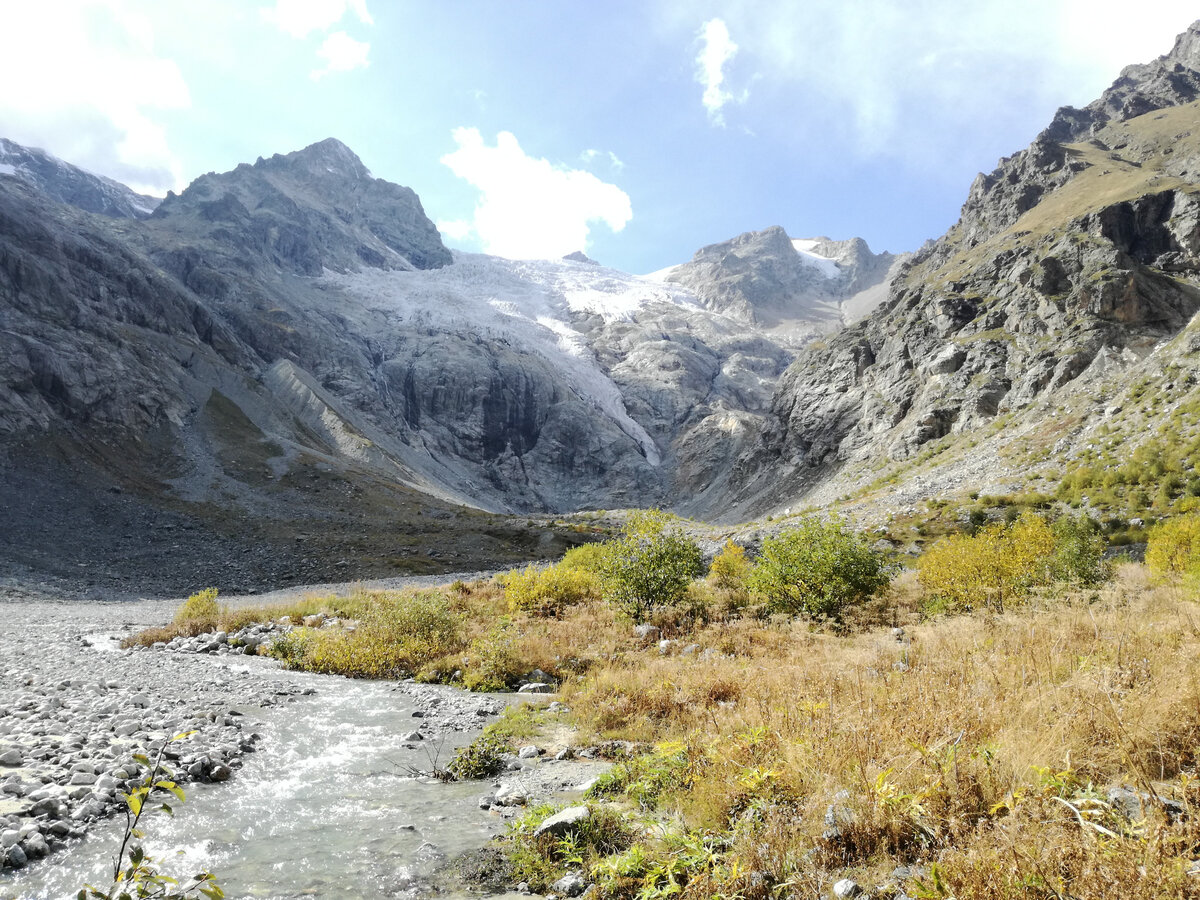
(1173,548)
(1002,563)
(548,590)
(200,609)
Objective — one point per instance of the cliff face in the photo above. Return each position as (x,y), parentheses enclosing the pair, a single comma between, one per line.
(1075,256)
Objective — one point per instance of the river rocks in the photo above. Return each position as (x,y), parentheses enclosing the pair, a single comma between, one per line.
(563,822)
(74,709)
(847,889)
(511,795)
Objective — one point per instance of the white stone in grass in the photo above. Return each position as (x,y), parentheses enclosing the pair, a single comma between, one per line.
(563,822)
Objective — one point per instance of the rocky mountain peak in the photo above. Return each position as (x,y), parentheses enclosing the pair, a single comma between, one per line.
(768,278)
(581,257)
(1170,80)
(321,160)
(303,212)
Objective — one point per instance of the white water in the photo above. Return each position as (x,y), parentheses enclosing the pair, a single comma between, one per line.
(320,810)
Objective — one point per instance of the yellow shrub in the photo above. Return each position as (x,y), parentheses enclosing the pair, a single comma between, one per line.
(199,607)
(996,565)
(729,568)
(1173,548)
(547,591)
(586,556)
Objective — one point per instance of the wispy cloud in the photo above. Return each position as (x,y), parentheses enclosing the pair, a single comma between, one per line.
(300,18)
(339,51)
(590,155)
(341,54)
(716,50)
(529,208)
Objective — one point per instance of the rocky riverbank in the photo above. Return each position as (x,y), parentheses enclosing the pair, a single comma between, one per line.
(75,708)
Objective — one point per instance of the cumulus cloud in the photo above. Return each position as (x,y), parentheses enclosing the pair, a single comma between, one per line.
(85,82)
(716,49)
(341,54)
(529,208)
(300,18)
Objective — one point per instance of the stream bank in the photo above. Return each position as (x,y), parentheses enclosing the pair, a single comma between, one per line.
(308,783)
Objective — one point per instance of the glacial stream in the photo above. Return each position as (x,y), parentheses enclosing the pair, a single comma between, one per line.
(325,807)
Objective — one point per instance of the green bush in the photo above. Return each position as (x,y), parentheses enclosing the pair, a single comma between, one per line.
(817,569)
(650,566)
(1173,547)
(1079,551)
(482,758)
(548,590)
(199,607)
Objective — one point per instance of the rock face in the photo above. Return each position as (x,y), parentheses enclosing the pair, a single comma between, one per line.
(1075,259)
(72,185)
(315,209)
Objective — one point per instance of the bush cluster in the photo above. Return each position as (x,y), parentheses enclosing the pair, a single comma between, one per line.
(395,636)
(1173,548)
(1003,562)
(548,590)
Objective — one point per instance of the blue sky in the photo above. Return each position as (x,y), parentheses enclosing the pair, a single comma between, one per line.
(639,131)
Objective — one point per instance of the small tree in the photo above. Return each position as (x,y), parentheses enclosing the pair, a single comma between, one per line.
(817,569)
(1173,548)
(650,565)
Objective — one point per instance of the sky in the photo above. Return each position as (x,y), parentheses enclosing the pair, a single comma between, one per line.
(635,130)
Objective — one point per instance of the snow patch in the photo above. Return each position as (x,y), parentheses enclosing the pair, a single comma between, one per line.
(7,169)
(826,266)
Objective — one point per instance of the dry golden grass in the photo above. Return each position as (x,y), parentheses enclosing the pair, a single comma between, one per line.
(951,749)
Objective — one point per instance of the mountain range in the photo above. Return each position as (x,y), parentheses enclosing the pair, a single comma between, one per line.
(281,374)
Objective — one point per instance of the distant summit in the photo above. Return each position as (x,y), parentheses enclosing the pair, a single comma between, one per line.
(304,212)
(581,257)
(71,185)
(765,277)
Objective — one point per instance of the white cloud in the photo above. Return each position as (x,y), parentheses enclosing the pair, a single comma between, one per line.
(84,81)
(529,208)
(591,155)
(341,53)
(455,229)
(300,18)
(920,84)
(717,48)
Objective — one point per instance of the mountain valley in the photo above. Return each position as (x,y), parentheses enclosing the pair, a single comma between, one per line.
(287,356)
